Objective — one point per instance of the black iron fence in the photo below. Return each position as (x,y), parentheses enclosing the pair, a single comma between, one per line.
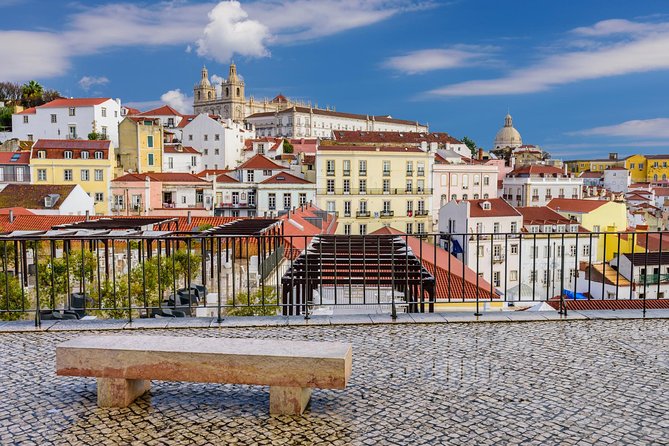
(52,276)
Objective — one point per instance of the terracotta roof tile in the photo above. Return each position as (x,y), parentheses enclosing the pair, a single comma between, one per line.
(536,169)
(261,162)
(285,178)
(74,102)
(164,177)
(358,148)
(14,157)
(498,208)
(28,111)
(575,205)
(173,148)
(31,196)
(164,110)
(363,136)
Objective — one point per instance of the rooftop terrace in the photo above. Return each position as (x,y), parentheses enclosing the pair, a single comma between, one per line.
(585,380)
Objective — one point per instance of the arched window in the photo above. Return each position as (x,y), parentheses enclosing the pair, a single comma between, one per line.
(443,199)
(465,197)
(199,95)
(209,95)
(227,91)
(655,177)
(664,177)
(237,91)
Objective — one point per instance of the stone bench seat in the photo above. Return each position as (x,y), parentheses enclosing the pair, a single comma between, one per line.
(124,365)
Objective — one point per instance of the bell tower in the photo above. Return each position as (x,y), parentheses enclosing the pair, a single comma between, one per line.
(203,92)
(232,96)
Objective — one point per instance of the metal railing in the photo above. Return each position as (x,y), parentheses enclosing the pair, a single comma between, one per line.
(198,274)
(376,191)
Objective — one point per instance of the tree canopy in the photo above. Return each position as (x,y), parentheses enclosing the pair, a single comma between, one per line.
(471,145)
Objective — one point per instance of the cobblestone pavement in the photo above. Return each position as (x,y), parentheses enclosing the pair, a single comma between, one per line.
(538,383)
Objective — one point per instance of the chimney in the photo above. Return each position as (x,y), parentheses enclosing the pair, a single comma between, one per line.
(189,219)
(11,215)
(88,215)
(480,154)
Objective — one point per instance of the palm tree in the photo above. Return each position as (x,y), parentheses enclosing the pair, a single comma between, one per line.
(31,93)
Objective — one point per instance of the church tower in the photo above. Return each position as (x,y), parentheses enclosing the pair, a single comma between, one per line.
(203,92)
(232,96)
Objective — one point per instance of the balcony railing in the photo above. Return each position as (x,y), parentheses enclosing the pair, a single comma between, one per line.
(421,213)
(387,214)
(375,191)
(362,214)
(177,273)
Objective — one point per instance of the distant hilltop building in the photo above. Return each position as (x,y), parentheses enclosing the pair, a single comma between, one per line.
(507,136)
(284,117)
(508,145)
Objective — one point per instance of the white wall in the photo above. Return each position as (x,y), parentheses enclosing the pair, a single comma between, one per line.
(525,187)
(182,162)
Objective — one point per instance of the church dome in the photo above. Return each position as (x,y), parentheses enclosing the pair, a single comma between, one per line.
(507,136)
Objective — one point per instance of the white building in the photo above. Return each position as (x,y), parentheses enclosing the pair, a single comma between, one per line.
(169,117)
(649,274)
(48,199)
(180,158)
(298,122)
(551,252)
(485,235)
(536,185)
(282,192)
(69,119)
(455,178)
(220,143)
(617,179)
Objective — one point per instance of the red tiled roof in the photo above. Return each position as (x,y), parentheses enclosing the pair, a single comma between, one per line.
(398,149)
(16,211)
(318,111)
(575,205)
(172,148)
(295,245)
(186,119)
(541,215)
(590,174)
(498,208)
(208,172)
(635,196)
(23,158)
(536,169)
(280,99)
(661,191)
(309,159)
(131,110)
(304,145)
(143,118)
(449,278)
(657,157)
(248,144)
(28,111)
(225,178)
(31,196)
(164,177)
(285,178)
(261,162)
(363,136)
(164,110)
(56,148)
(74,102)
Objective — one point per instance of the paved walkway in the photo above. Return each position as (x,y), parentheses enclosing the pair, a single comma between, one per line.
(546,383)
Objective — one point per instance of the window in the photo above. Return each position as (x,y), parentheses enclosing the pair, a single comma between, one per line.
(25,119)
(54,118)
(41,174)
(420,167)
(287,201)
(170,162)
(572,250)
(409,228)
(85,175)
(410,170)
(206,137)
(386,168)
(362,167)
(183,199)
(533,276)
(302,198)
(216,151)
(495,228)
(347,167)
(330,186)
(347,186)
(330,206)
(217,137)
(477,180)
(30,137)
(386,207)
(150,159)
(586,250)
(454,180)
(103,132)
(347,229)
(386,186)
(72,111)
(99,176)
(486,180)
(480,251)
(103,111)
(98,155)
(267,173)
(595,228)
(330,167)
(190,137)
(544,278)
(631,165)
(84,155)
(67,174)
(363,186)
(409,187)
(421,228)
(479,227)
(514,248)
(421,206)
(250,175)
(465,181)
(420,186)
(513,275)
(347,209)
(99,197)
(67,155)
(640,166)
(363,229)
(149,141)
(41,154)
(72,131)
(496,278)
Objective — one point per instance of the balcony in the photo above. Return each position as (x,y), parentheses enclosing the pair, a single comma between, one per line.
(362,214)
(375,191)
(519,197)
(499,258)
(535,198)
(421,213)
(421,172)
(387,214)
(652,279)
(347,214)
(409,173)
(386,173)
(330,173)
(347,173)
(362,173)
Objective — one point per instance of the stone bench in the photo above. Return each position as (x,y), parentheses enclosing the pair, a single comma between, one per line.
(124,365)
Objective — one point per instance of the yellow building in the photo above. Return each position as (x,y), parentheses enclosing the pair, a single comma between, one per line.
(372,187)
(140,145)
(87,163)
(637,166)
(595,216)
(657,168)
(596,165)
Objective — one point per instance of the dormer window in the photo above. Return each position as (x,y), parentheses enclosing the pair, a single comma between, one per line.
(547,228)
(84,155)
(41,154)
(98,155)
(486,206)
(67,155)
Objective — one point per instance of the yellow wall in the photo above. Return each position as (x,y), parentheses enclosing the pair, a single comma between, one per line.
(375,197)
(134,149)
(637,166)
(658,169)
(55,174)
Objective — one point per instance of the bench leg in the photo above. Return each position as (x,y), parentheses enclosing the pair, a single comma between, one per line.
(288,400)
(119,392)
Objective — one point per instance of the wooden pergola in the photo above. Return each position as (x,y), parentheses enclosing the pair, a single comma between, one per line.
(358,262)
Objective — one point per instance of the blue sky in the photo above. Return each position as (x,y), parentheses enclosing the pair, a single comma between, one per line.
(580,78)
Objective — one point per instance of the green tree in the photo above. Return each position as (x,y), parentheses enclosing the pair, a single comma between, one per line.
(31,94)
(471,145)
(6,116)
(10,298)
(93,136)
(256,305)
(287,146)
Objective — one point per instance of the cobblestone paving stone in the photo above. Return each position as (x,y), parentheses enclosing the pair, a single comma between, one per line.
(540,383)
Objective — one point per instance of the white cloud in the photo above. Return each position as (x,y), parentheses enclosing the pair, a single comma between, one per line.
(31,55)
(179,101)
(644,128)
(438,59)
(230,31)
(87,82)
(638,53)
(619,26)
